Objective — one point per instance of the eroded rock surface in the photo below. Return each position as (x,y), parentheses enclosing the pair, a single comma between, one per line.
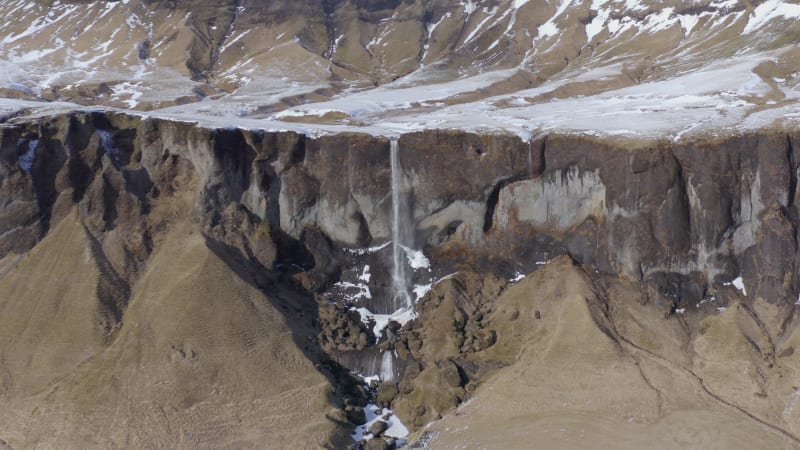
(157,253)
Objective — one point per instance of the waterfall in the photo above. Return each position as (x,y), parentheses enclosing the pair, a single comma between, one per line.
(400,233)
(387,366)
(530,160)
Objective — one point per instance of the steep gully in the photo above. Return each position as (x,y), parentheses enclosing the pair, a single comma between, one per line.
(683,219)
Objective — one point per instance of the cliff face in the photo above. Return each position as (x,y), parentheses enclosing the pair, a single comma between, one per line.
(210,245)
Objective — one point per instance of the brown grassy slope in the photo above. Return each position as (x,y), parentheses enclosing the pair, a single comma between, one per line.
(203,358)
(574,383)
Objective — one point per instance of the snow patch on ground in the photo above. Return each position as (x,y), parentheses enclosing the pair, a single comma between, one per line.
(381,321)
(365,275)
(402,316)
(738,283)
(709,299)
(549,28)
(416,259)
(353,292)
(770,10)
(374,413)
(421,289)
(367,251)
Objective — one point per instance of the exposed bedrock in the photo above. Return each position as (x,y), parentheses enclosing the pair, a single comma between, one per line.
(684,221)
(687,216)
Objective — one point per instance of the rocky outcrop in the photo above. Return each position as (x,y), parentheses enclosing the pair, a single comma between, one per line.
(685,217)
(688,222)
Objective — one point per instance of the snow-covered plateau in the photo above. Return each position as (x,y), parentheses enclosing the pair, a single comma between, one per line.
(627,68)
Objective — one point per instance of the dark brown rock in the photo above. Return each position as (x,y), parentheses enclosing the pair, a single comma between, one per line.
(378,427)
(386,393)
(377,444)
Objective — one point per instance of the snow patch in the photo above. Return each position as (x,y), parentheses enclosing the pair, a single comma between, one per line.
(688,22)
(367,251)
(354,292)
(770,10)
(365,275)
(549,28)
(597,24)
(374,413)
(381,321)
(416,259)
(738,283)
(710,299)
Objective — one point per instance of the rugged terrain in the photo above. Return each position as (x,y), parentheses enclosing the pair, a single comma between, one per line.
(642,67)
(250,224)
(159,282)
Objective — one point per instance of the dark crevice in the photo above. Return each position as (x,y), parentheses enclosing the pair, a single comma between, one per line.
(491,203)
(302,313)
(683,201)
(543,156)
(329,7)
(762,328)
(112,290)
(790,158)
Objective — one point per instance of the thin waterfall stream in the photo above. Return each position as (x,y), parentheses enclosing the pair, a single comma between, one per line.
(401,297)
(530,160)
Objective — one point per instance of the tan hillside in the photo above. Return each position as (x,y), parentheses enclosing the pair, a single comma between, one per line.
(574,382)
(203,359)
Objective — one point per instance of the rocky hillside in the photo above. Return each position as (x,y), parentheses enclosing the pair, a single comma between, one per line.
(379,224)
(522,65)
(165,284)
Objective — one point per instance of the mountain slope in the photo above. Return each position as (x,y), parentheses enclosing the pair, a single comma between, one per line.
(574,382)
(203,358)
(525,66)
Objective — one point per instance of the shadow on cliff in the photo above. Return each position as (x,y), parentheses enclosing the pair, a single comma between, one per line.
(300,310)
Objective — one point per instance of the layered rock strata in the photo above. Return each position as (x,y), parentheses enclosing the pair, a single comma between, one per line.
(698,238)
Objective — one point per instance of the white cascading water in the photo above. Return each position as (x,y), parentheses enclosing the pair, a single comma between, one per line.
(400,296)
(530,160)
(387,366)
(400,232)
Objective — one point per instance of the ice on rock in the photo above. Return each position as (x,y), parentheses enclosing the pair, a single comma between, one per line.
(374,413)
(381,321)
(416,259)
(517,278)
(420,290)
(365,275)
(368,251)
(354,292)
